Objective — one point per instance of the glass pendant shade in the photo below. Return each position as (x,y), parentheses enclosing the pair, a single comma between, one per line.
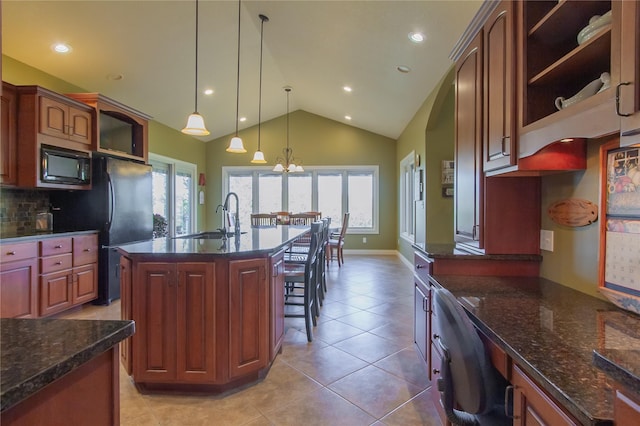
(195,126)
(291,168)
(258,158)
(236,146)
(278,167)
(299,169)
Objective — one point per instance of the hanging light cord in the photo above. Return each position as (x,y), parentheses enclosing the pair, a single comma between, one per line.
(196,91)
(238,75)
(287,153)
(263,18)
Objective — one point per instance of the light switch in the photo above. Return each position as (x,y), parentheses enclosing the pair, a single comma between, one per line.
(546,240)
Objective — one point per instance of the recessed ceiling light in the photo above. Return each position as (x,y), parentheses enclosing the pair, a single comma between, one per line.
(347,88)
(416,37)
(403,69)
(243,118)
(208,92)
(347,117)
(61,48)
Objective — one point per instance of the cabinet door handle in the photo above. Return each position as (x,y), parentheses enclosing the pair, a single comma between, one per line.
(508,391)
(436,371)
(419,266)
(11,253)
(87,250)
(436,336)
(626,83)
(58,263)
(503,146)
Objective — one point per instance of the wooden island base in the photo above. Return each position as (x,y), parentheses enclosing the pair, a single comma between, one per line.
(206,322)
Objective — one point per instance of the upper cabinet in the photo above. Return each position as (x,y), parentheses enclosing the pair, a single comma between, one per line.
(629,91)
(119,130)
(8,135)
(579,71)
(499,135)
(48,119)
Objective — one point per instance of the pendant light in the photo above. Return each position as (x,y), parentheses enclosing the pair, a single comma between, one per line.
(258,157)
(288,163)
(236,145)
(195,122)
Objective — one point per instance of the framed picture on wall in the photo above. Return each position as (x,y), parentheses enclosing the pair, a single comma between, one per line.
(448,167)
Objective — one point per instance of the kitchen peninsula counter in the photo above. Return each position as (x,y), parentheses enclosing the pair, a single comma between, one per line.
(551,332)
(209,312)
(47,363)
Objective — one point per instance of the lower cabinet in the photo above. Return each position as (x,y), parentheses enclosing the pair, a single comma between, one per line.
(421,319)
(248,316)
(125,311)
(532,406)
(277,303)
(626,408)
(175,313)
(56,293)
(19,281)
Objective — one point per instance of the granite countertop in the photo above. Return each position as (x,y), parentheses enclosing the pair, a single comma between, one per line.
(256,241)
(34,236)
(450,251)
(36,352)
(552,331)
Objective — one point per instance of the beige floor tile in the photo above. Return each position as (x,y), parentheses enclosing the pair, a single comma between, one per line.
(334,331)
(328,364)
(419,411)
(408,366)
(369,347)
(374,390)
(364,320)
(320,408)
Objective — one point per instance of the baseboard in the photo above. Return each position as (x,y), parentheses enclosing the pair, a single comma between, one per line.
(403,259)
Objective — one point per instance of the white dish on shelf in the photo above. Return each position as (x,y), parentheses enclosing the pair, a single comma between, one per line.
(589,90)
(597,24)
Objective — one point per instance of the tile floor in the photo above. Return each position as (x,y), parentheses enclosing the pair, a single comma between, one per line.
(361,368)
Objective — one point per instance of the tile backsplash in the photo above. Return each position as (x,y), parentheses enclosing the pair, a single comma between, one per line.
(18,210)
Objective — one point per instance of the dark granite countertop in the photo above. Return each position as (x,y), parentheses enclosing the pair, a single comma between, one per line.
(450,251)
(36,352)
(255,242)
(551,331)
(33,236)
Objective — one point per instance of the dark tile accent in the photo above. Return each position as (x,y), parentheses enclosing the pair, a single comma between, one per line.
(18,209)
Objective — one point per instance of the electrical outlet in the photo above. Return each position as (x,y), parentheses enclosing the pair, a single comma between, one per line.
(546,240)
(364,240)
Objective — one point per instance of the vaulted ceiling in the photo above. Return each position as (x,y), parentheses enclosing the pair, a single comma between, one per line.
(142,53)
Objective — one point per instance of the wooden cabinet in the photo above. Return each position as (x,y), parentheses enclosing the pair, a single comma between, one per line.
(499,132)
(532,406)
(422,306)
(120,130)
(468,148)
(276,263)
(48,118)
(61,120)
(248,316)
(175,311)
(126,282)
(629,99)
(626,408)
(19,280)
(8,136)
(69,272)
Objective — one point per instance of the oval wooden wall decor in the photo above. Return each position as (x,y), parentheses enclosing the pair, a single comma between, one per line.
(573,212)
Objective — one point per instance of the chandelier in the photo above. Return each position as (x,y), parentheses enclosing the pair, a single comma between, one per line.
(288,163)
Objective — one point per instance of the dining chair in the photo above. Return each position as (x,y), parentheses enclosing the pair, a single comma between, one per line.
(336,241)
(301,282)
(263,220)
(282,218)
(301,218)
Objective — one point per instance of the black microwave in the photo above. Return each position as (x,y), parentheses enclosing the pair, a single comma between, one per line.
(58,165)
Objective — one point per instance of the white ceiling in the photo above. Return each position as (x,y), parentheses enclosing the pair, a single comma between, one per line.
(316,47)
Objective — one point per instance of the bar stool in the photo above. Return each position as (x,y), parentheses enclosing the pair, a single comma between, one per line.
(301,282)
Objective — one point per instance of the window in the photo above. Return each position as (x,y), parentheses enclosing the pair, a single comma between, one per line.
(332,191)
(174,194)
(407,216)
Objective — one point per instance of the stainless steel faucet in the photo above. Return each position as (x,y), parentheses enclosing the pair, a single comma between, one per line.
(225,207)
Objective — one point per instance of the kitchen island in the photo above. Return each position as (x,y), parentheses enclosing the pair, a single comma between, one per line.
(55,371)
(209,311)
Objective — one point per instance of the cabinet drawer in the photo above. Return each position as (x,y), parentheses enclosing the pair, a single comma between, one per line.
(55,263)
(423,266)
(18,251)
(85,250)
(53,246)
(499,358)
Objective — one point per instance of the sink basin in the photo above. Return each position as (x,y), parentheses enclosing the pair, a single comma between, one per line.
(210,235)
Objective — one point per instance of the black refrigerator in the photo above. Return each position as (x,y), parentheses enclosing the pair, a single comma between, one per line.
(119,205)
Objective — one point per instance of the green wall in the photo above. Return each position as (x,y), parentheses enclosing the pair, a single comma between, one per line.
(430,133)
(317,141)
(574,260)
(162,139)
